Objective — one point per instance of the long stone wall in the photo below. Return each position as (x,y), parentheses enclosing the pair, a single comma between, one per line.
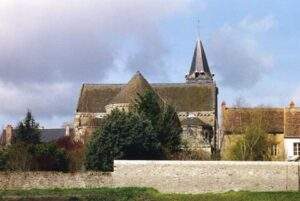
(169,177)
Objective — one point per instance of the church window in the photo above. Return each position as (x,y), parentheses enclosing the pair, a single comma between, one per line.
(297,149)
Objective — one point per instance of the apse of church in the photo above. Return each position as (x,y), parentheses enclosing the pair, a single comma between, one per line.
(195,102)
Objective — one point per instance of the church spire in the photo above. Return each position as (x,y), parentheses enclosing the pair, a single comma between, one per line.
(199,71)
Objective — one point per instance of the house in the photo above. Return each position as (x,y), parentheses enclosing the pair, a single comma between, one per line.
(47,135)
(282,127)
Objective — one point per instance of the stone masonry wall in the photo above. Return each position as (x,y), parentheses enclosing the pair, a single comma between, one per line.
(169,177)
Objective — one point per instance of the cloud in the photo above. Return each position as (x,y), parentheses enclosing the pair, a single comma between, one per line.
(42,99)
(237,55)
(260,25)
(48,48)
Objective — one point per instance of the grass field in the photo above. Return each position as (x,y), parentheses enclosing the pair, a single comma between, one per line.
(139,194)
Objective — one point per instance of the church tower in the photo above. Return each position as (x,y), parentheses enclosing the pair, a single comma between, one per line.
(199,71)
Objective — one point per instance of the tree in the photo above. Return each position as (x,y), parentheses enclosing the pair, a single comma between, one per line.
(169,129)
(28,130)
(149,105)
(150,130)
(253,144)
(123,136)
(3,160)
(163,118)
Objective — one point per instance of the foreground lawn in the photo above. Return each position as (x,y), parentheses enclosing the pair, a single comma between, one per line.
(138,194)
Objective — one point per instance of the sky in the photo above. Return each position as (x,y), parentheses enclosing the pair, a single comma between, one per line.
(49,48)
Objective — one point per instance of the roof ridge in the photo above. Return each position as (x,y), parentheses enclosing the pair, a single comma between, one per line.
(134,87)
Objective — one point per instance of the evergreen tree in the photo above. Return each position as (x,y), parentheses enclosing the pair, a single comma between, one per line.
(150,130)
(169,129)
(163,117)
(149,105)
(28,130)
(123,136)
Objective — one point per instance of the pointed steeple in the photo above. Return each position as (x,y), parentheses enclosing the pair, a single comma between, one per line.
(199,71)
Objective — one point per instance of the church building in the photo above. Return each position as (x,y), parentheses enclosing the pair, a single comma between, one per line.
(195,102)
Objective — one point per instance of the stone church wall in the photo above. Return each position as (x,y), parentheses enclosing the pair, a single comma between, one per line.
(85,124)
(169,177)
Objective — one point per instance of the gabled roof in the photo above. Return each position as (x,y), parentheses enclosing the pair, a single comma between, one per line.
(128,94)
(184,97)
(52,134)
(234,119)
(47,135)
(94,97)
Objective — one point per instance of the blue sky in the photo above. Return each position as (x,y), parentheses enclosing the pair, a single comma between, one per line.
(49,48)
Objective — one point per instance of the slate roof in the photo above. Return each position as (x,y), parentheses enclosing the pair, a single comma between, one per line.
(199,62)
(184,97)
(234,119)
(47,135)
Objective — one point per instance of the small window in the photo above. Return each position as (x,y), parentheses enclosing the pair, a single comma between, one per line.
(297,149)
(274,150)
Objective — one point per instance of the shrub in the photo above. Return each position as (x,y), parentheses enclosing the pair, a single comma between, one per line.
(20,156)
(48,157)
(75,151)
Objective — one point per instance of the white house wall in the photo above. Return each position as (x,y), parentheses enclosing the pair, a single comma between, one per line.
(289,146)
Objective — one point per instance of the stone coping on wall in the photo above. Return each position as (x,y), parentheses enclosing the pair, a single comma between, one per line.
(193,162)
(169,177)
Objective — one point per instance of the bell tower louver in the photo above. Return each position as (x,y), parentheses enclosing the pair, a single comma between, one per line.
(199,71)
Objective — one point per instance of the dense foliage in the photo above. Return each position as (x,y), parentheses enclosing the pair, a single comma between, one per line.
(48,157)
(150,130)
(3,160)
(28,130)
(27,152)
(75,152)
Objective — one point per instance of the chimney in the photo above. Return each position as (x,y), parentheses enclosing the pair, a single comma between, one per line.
(292,104)
(223,104)
(8,135)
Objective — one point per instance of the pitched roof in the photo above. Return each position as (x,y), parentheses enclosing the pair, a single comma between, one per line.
(233,119)
(199,62)
(94,97)
(49,135)
(193,121)
(184,97)
(292,123)
(128,94)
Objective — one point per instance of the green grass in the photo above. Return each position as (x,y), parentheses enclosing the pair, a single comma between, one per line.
(138,194)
